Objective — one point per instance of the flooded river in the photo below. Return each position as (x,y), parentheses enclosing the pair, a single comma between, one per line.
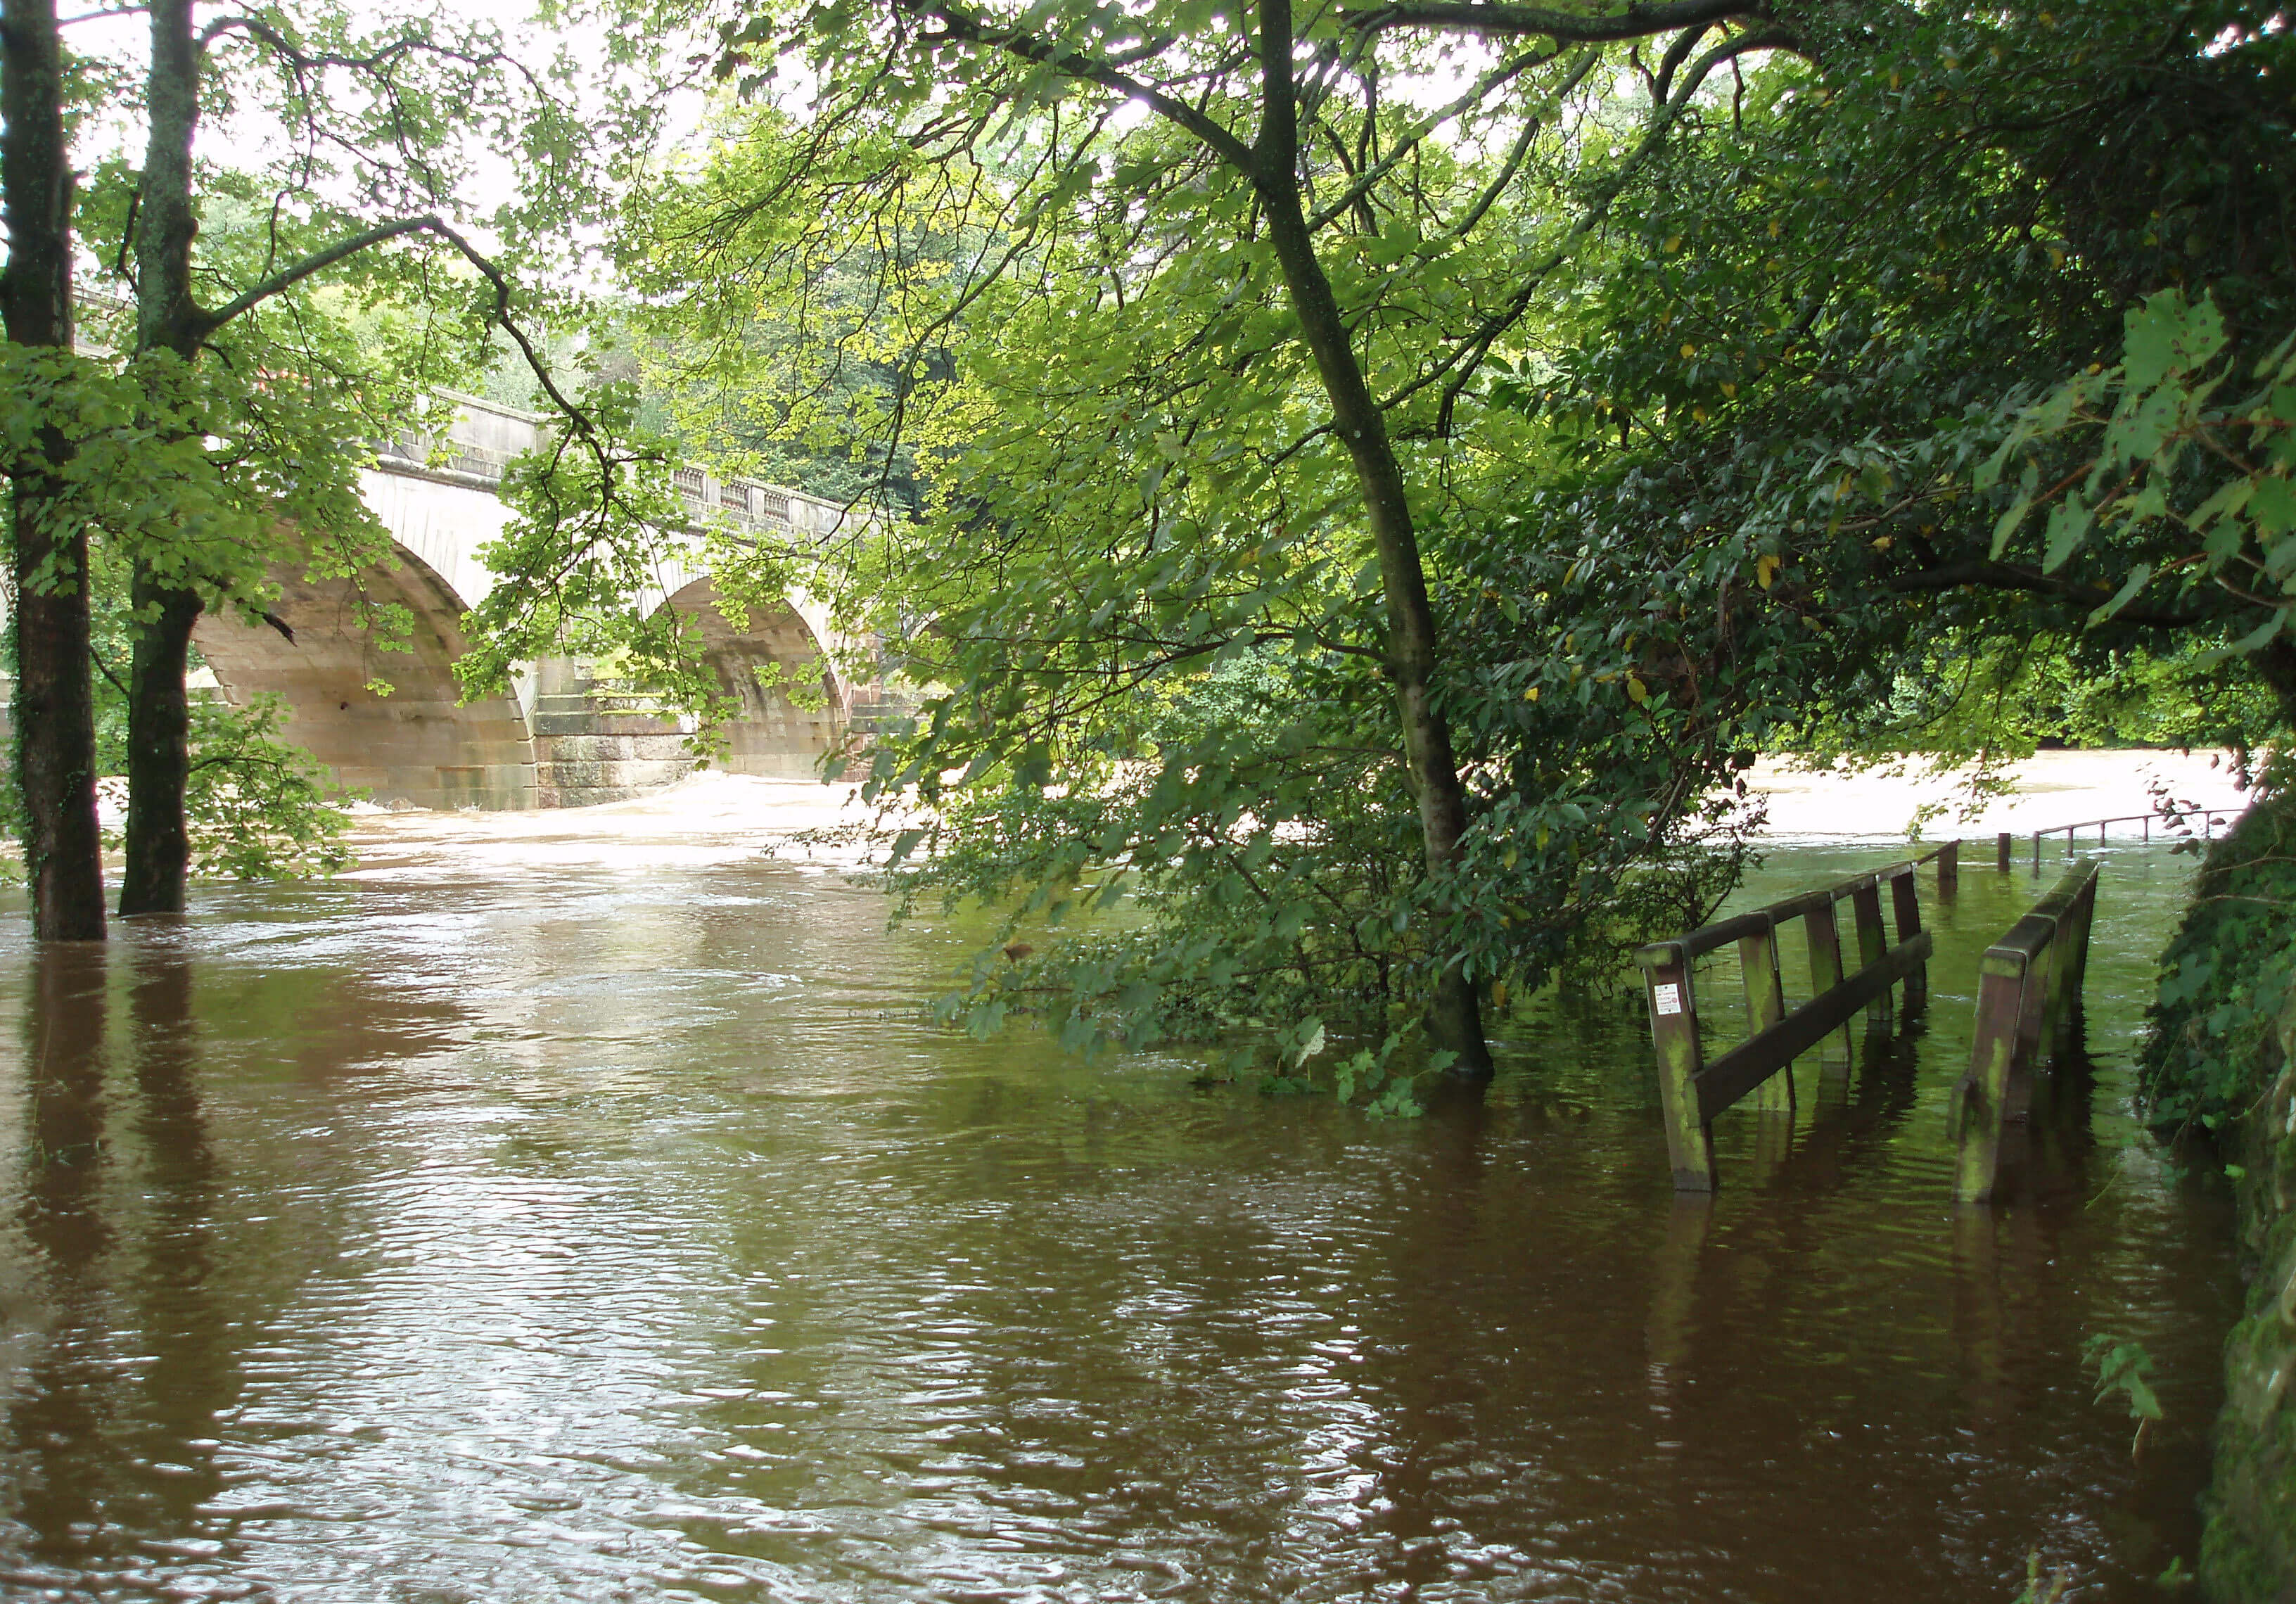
(470,1234)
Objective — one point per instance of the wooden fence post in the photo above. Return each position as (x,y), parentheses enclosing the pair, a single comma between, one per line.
(1674,1028)
(1948,862)
(1872,940)
(1766,1005)
(2067,961)
(1905,910)
(1982,1101)
(1820,929)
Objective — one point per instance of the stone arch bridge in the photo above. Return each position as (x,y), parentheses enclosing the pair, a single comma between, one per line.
(559,740)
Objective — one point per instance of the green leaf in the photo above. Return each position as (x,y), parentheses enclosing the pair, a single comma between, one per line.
(2007,524)
(2167,335)
(2273,506)
(2129,587)
(2069,522)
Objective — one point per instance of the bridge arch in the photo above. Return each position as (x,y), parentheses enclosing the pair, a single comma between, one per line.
(419,744)
(770,735)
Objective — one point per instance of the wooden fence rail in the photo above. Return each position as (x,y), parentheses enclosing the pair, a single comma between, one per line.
(1692,1091)
(2174,817)
(2029,988)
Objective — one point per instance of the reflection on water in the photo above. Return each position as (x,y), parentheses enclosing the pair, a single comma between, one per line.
(434,1238)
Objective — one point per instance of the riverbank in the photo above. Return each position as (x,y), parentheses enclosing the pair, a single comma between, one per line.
(713,818)
(2219,1058)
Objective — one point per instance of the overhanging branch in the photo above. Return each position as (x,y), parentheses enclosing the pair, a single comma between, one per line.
(438,228)
(2015,576)
(1564,27)
(963,26)
(318,261)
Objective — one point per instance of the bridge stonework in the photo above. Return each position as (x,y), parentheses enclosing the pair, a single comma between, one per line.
(390,723)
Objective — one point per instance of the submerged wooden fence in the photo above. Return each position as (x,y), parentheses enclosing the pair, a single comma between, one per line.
(2029,989)
(2028,992)
(2176,818)
(1692,1091)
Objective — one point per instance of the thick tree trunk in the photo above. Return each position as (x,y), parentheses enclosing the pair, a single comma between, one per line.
(159,751)
(1457,1015)
(166,319)
(54,708)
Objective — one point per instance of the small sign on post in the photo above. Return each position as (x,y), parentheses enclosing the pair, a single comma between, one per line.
(1692,1091)
(1674,1027)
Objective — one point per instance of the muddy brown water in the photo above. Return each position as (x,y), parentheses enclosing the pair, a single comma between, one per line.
(624,1235)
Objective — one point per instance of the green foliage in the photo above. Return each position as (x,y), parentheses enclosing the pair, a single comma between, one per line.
(1695,390)
(595,522)
(260,807)
(2227,974)
(1260,861)
(1141,601)
(2206,487)
(2041,1589)
(1827,321)
(1242,862)
(2123,1369)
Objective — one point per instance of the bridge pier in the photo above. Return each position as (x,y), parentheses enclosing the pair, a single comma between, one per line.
(593,746)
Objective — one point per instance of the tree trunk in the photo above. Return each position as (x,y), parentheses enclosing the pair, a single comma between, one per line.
(166,319)
(159,750)
(1456,1017)
(55,697)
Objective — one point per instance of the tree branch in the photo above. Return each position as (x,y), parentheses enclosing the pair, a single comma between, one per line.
(1482,86)
(1513,163)
(965,27)
(1564,27)
(317,262)
(101,12)
(2013,576)
(1676,53)
(1468,354)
